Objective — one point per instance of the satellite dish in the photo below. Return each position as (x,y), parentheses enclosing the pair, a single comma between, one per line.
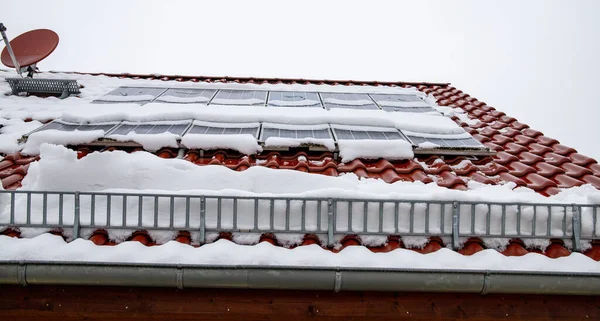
(26,50)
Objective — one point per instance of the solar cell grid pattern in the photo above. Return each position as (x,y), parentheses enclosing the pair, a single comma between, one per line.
(295,133)
(210,130)
(348,100)
(295,98)
(348,134)
(446,142)
(142,92)
(198,95)
(240,97)
(67,127)
(124,129)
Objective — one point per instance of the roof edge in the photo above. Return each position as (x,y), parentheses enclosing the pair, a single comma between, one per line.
(258,79)
(298,278)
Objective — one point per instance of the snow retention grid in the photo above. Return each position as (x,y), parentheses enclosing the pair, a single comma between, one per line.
(297,278)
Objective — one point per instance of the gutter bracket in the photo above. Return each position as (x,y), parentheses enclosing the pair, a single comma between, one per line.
(22,273)
(179,277)
(338,280)
(486,283)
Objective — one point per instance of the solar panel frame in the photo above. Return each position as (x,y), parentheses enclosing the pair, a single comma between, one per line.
(244,95)
(348,97)
(150,128)
(131,91)
(295,132)
(242,129)
(306,95)
(366,133)
(450,143)
(62,125)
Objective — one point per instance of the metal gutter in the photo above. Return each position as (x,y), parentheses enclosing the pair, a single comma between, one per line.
(297,278)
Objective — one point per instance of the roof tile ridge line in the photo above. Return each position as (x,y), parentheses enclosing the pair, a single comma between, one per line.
(188,77)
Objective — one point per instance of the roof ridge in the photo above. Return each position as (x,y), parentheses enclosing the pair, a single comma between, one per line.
(258,79)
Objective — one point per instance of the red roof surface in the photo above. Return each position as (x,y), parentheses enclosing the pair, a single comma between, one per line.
(524,156)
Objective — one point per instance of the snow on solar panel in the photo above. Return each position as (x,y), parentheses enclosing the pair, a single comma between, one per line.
(186,95)
(293,99)
(125,128)
(439,141)
(240,97)
(205,128)
(139,95)
(284,135)
(402,103)
(295,133)
(348,100)
(69,127)
(365,132)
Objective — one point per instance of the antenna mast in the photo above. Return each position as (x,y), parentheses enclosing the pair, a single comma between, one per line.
(9,48)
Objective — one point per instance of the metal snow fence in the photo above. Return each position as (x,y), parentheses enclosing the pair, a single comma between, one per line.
(328,217)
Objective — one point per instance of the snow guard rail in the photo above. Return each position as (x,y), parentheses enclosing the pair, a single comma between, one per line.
(201,215)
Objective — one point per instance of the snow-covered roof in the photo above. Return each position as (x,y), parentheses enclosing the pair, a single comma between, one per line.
(525,167)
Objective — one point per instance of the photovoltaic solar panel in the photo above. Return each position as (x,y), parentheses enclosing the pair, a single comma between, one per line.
(186,95)
(69,127)
(447,142)
(240,97)
(209,130)
(124,129)
(348,100)
(293,99)
(402,103)
(349,134)
(139,95)
(295,133)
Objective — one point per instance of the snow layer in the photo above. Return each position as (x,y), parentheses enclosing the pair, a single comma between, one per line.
(53,248)
(35,140)
(295,142)
(150,142)
(374,149)
(125,98)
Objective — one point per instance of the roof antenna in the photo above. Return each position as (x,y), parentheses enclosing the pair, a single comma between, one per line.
(9,49)
(26,50)
(23,53)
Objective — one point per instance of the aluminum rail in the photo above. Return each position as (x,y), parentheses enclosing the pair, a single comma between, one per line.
(298,278)
(327,217)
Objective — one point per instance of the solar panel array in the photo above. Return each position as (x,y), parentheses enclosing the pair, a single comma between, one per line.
(277,99)
(263,131)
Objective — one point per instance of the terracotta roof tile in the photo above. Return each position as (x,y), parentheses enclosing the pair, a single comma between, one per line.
(575,170)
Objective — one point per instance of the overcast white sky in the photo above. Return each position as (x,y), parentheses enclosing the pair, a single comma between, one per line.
(538,61)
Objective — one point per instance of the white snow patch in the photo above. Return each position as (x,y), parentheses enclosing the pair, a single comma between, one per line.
(295,142)
(126,98)
(188,100)
(150,142)
(49,247)
(402,103)
(374,149)
(53,136)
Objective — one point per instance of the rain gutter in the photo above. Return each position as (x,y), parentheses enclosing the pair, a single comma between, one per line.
(298,278)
